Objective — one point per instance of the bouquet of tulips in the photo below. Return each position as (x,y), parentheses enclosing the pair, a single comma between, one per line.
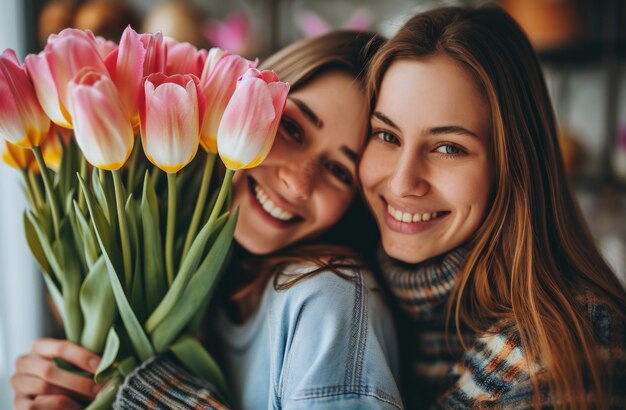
(131,245)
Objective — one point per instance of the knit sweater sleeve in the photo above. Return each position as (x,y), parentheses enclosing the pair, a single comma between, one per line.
(160,383)
(494,372)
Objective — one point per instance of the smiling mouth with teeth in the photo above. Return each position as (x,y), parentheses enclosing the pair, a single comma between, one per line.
(407,217)
(270,207)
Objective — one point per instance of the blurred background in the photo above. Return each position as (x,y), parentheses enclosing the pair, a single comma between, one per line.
(581,44)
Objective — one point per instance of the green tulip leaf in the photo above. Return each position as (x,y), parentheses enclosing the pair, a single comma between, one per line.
(68,367)
(35,245)
(46,246)
(71,280)
(155,281)
(137,291)
(87,235)
(69,199)
(56,295)
(77,237)
(197,360)
(109,355)
(149,193)
(198,318)
(138,338)
(95,301)
(99,219)
(69,165)
(126,366)
(131,218)
(44,216)
(100,196)
(106,397)
(187,269)
(198,288)
(209,208)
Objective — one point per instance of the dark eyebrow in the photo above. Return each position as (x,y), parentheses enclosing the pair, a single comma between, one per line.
(379,115)
(352,155)
(445,129)
(308,113)
(451,129)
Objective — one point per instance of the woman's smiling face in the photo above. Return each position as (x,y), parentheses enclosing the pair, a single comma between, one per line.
(425,170)
(309,177)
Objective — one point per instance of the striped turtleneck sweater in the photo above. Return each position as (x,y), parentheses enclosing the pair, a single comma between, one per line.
(492,372)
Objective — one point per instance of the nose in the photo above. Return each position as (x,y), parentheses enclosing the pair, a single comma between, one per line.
(408,178)
(298,179)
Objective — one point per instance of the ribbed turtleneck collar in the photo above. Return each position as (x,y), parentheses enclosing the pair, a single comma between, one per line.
(422,289)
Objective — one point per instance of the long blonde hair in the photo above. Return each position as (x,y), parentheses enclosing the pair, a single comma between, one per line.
(533,256)
(297,64)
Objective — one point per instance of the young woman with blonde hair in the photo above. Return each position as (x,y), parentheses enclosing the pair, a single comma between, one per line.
(505,300)
(301,323)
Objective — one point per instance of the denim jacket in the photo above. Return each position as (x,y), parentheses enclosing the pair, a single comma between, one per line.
(326,342)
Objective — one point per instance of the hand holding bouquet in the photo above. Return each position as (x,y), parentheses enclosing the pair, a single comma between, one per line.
(131,246)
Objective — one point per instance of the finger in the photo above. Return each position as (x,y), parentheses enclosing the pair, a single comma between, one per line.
(67,351)
(49,372)
(24,364)
(26,385)
(54,402)
(22,402)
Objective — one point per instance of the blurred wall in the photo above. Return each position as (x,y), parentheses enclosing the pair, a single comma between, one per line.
(20,283)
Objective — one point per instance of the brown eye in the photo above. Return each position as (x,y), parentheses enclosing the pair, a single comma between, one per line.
(291,128)
(339,172)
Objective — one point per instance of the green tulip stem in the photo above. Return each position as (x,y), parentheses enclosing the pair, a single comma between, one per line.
(33,187)
(29,190)
(49,192)
(171,227)
(228,177)
(121,215)
(83,175)
(132,169)
(197,212)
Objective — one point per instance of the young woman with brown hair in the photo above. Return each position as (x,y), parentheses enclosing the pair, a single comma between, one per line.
(505,299)
(302,323)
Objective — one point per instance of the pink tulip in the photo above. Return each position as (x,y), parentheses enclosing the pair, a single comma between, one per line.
(47,93)
(105,47)
(138,56)
(51,148)
(251,119)
(218,85)
(184,58)
(170,110)
(23,158)
(22,120)
(101,124)
(156,53)
(125,66)
(215,54)
(16,157)
(51,70)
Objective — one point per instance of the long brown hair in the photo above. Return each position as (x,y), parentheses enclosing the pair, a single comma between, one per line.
(533,256)
(350,241)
